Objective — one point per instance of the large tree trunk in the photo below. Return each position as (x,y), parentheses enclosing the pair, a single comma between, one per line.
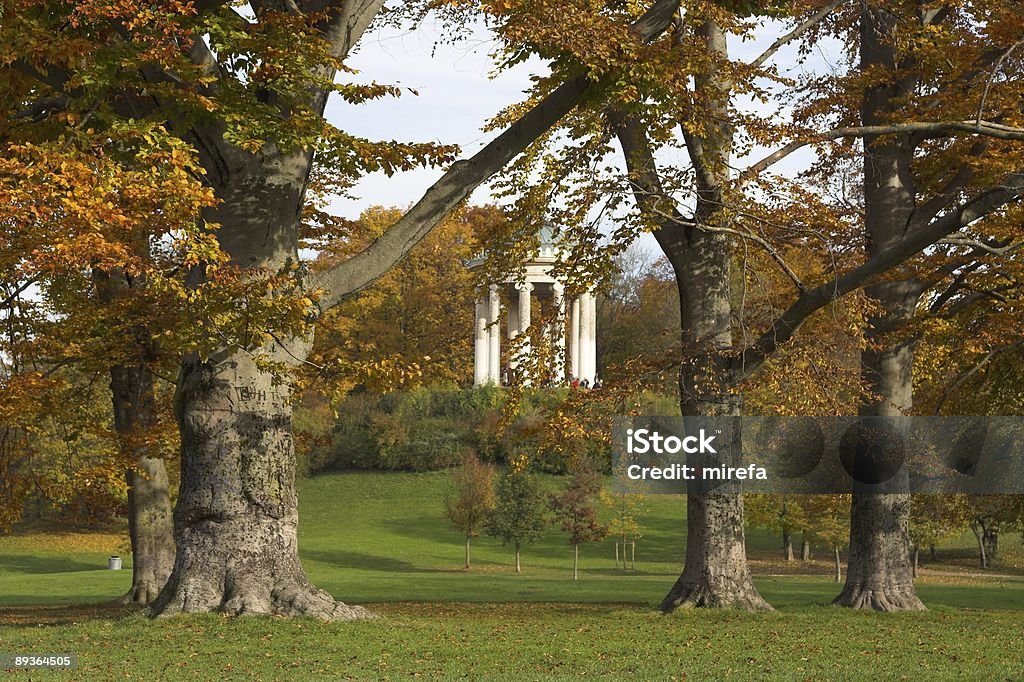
(787,545)
(805,549)
(236,518)
(879,574)
(237,513)
(715,574)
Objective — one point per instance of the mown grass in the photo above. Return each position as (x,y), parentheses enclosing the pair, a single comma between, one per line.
(541,641)
(381,540)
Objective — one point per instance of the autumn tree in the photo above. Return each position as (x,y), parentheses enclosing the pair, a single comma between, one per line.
(781,513)
(963,168)
(575,509)
(470,499)
(76,264)
(935,518)
(638,317)
(520,512)
(416,314)
(828,520)
(248,92)
(624,524)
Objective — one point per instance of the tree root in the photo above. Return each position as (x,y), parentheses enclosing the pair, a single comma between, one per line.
(742,597)
(892,599)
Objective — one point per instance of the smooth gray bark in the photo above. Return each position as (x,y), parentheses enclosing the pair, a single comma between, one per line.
(150,526)
(715,573)
(880,575)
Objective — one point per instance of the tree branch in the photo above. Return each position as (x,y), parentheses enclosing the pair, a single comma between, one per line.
(807,25)
(812,300)
(358,272)
(934,128)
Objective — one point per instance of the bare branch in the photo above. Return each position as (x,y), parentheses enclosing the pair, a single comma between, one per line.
(978,245)
(932,128)
(992,76)
(991,355)
(807,25)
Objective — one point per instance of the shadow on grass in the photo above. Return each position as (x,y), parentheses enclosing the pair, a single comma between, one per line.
(368,562)
(63,614)
(30,564)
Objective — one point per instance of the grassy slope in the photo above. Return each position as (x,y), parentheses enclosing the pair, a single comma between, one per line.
(381,539)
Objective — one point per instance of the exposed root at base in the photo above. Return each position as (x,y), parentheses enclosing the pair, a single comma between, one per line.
(704,597)
(290,600)
(140,594)
(861,597)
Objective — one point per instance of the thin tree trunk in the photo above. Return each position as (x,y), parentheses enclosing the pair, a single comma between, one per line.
(150,524)
(575,561)
(518,568)
(992,546)
(467,551)
(787,545)
(982,555)
(839,566)
(931,550)
(805,549)
(917,560)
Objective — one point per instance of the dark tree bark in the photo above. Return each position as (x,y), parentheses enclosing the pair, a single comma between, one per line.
(992,545)
(979,535)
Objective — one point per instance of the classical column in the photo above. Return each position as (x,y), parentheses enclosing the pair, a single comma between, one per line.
(481,362)
(494,335)
(588,338)
(558,371)
(523,320)
(574,340)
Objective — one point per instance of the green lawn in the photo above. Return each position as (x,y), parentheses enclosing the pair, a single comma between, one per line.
(381,540)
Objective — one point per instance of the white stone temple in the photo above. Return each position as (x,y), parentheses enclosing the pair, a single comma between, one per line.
(573,333)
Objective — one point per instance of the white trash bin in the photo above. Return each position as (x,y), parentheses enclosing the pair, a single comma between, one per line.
(114,563)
